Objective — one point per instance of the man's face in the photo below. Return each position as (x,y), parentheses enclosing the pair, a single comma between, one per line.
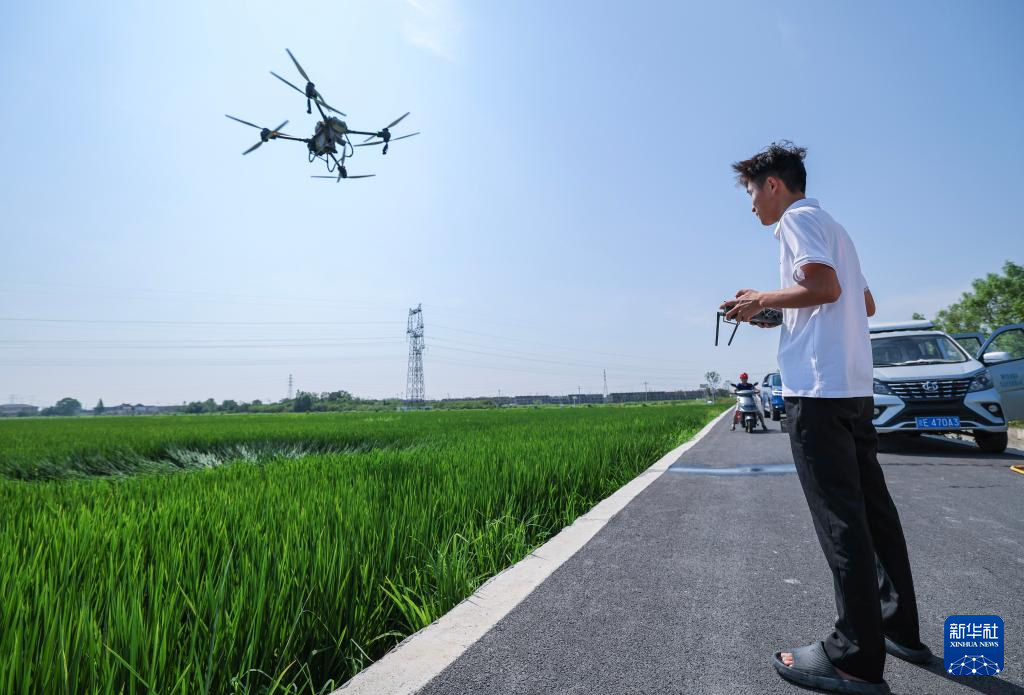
(764,200)
(743,379)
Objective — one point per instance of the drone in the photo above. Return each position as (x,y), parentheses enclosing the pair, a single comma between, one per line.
(331,136)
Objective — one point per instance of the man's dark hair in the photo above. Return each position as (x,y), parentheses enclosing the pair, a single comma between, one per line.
(783,160)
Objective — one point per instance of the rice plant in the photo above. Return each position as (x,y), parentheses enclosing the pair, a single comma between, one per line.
(279,554)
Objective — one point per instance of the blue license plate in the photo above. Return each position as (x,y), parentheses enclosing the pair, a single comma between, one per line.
(937,423)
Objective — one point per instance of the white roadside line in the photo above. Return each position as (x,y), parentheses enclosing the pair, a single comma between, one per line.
(421,656)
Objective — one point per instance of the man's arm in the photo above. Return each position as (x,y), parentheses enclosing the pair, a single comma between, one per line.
(820,285)
(869,301)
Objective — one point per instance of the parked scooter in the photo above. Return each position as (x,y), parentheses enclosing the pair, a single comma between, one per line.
(747,407)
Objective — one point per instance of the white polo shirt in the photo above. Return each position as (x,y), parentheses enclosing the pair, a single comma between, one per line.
(825,350)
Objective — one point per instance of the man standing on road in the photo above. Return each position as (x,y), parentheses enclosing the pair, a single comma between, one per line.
(825,360)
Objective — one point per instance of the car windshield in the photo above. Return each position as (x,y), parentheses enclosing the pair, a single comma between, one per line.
(777,381)
(904,350)
(971,343)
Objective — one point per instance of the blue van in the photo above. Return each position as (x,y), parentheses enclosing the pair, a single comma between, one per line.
(771,396)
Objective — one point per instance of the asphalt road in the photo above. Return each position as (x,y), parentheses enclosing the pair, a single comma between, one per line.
(693,586)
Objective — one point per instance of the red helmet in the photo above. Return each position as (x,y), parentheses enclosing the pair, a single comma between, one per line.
(743,375)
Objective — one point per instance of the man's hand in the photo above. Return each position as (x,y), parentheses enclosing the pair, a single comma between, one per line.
(746,305)
(818,286)
(869,302)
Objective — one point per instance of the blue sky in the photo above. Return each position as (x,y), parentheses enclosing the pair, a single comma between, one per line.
(569,206)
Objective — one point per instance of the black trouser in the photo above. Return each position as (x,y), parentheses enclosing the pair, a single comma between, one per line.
(835,450)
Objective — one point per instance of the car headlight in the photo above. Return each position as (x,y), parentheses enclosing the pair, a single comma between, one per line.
(882,388)
(982,381)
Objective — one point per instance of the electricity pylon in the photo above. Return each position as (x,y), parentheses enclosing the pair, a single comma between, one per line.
(414,391)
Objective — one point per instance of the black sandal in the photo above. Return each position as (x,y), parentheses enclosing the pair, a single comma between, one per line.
(920,655)
(812,667)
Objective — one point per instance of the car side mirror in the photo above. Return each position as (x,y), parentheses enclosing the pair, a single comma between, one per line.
(995,357)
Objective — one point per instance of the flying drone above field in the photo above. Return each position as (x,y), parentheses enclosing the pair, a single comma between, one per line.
(330,134)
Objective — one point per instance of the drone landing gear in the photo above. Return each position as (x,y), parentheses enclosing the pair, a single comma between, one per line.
(343,174)
(340,166)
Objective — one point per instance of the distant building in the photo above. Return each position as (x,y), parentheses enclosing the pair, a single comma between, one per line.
(533,400)
(140,409)
(584,398)
(641,396)
(18,409)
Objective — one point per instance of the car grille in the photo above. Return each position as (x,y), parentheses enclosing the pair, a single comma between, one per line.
(930,390)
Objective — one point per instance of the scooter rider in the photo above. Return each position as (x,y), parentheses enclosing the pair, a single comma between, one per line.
(745,385)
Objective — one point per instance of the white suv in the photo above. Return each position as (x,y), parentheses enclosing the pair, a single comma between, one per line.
(926,382)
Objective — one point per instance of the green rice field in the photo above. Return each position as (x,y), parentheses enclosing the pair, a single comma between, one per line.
(280,553)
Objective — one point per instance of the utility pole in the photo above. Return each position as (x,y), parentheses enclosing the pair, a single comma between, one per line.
(604,372)
(289,387)
(414,390)
(646,392)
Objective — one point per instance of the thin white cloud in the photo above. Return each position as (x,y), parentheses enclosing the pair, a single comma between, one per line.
(432,25)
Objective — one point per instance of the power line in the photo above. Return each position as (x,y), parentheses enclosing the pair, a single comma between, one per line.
(564,348)
(239,361)
(177,342)
(200,323)
(586,365)
(140,292)
(558,374)
(210,346)
(677,363)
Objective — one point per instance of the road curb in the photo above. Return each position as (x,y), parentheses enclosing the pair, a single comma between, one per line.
(416,660)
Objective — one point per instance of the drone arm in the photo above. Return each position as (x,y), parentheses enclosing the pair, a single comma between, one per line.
(289,137)
(320,109)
